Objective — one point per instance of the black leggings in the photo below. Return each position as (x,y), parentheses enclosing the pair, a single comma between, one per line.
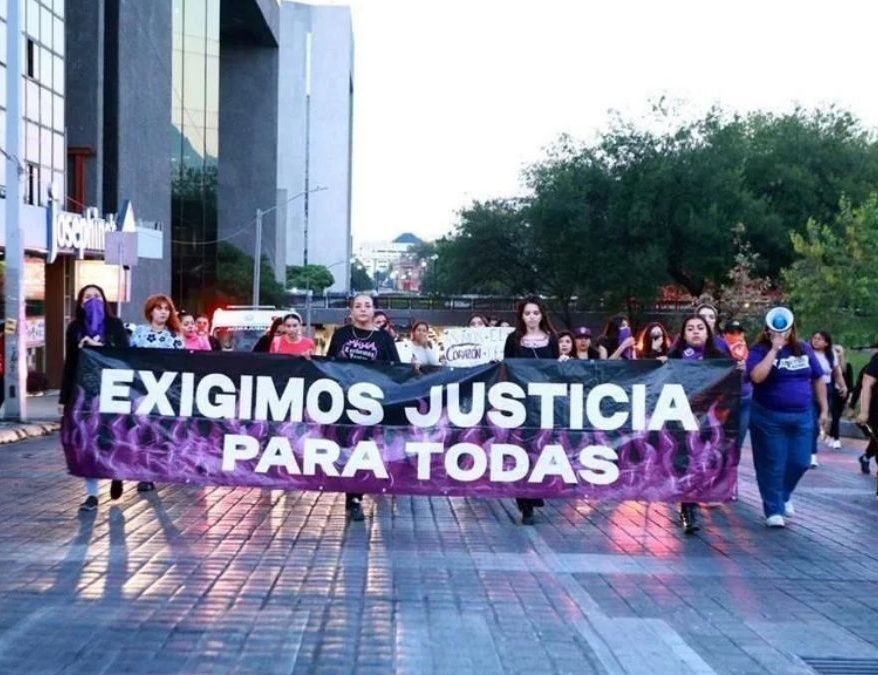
(836,408)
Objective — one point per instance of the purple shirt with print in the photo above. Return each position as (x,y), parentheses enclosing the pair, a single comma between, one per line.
(788,387)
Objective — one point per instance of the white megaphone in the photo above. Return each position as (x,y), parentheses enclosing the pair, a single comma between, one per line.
(779,320)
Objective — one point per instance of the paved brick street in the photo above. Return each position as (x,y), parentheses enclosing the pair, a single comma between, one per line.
(217,580)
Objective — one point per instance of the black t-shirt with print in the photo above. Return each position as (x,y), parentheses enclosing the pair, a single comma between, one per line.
(357,344)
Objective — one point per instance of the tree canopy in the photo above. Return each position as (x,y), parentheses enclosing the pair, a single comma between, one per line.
(637,209)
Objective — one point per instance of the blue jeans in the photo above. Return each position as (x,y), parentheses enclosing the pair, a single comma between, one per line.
(781,453)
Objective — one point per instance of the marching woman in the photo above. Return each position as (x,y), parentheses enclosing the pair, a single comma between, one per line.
(565,344)
(787,383)
(695,343)
(477,320)
(192,339)
(617,342)
(821,343)
(533,338)
(263,344)
(161,332)
(291,341)
(423,352)
(361,340)
(583,347)
(93,326)
(654,342)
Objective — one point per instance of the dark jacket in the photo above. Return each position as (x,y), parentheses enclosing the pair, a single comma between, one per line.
(513,349)
(117,336)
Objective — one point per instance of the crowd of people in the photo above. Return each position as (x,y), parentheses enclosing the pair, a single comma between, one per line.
(793,393)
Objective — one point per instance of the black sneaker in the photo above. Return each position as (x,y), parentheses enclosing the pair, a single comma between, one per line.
(864,464)
(356,511)
(90,504)
(115,489)
(688,519)
(145,486)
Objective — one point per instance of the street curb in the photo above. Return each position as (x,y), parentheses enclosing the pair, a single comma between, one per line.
(29,430)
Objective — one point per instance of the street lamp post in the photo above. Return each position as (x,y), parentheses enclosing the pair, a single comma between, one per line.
(257,253)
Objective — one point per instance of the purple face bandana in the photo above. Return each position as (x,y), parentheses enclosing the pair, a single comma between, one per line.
(95,318)
(624,334)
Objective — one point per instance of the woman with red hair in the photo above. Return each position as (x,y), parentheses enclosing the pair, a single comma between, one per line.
(162,331)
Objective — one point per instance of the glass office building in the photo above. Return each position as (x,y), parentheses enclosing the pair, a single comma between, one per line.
(194,147)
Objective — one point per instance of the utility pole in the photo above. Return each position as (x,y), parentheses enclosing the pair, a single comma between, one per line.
(257,257)
(15,356)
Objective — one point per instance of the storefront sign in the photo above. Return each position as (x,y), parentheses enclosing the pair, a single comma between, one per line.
(36,332)
(81,233)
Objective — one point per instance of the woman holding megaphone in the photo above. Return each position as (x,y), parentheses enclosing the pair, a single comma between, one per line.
(787,380)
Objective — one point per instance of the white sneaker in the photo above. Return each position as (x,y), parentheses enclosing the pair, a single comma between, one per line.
(814,463)
(836,444)
(789,510)
(775,521)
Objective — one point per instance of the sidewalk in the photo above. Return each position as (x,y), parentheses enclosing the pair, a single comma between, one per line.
(192,580)
(43,419)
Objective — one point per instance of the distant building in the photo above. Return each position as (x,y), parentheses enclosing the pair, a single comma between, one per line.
(391,263)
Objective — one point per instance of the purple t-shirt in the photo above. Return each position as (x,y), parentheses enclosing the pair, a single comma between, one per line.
(788,387)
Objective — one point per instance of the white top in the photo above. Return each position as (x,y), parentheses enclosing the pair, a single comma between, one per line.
(824,364)
(146,337)
(425,355)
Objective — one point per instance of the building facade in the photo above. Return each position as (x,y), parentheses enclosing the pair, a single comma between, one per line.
(175,117)
(315,117)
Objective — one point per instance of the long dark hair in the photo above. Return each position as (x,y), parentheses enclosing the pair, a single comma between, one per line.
(545,324)
(80,310)
(711,351)
(567,334)
(609,340)
(793,341)
(829,352)
(644,341)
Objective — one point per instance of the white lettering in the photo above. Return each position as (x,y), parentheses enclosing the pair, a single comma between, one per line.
(115,391)
(553,461)
(225,401)
(593,406)
(323,453)
(507,413)
(456,415)
(673,406)
(238,446)
(500,473)
(423,451)
(547,392)
(336,398)
(452,462)
(434,412)
(278,452)
(156,393)
(289,404)
(367,410)
(365,457)
(599,464)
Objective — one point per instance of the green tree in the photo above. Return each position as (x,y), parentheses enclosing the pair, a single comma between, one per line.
(616,220)
(833,285)
(360,279)
(315,277)
(235,279)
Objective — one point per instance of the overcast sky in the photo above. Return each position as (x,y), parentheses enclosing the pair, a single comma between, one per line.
(453,98)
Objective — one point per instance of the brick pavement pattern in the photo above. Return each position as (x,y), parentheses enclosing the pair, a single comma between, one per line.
(195,580)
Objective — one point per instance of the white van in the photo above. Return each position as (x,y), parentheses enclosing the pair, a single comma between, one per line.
(238,327)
